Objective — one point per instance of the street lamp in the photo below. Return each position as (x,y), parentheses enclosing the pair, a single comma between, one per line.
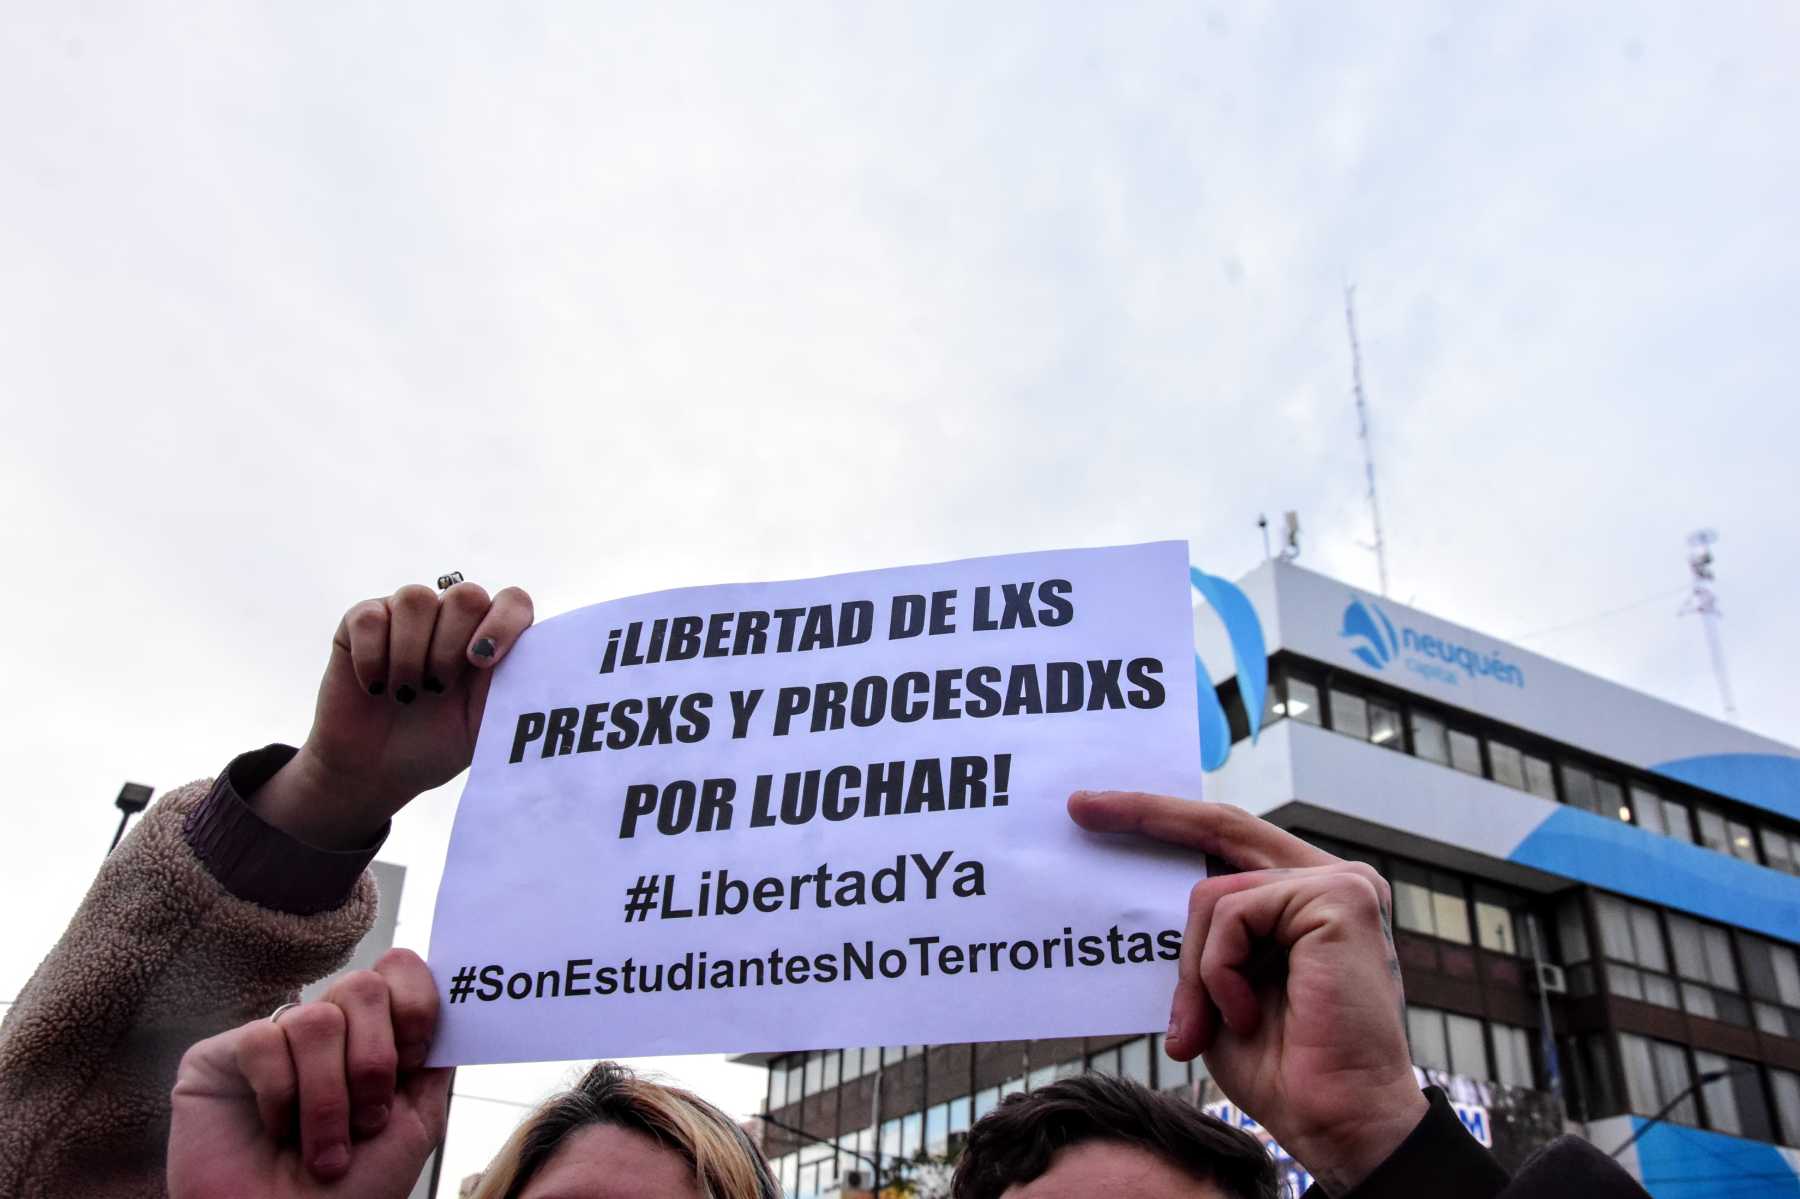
(133,798)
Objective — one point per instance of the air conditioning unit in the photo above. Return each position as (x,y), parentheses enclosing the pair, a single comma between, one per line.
(1550,979)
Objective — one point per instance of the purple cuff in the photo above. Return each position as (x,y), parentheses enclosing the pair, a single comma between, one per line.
(256,861)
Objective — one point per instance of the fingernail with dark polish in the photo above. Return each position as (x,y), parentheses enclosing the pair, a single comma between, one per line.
(377,687)
(432,685)
(484,648)
(404,693)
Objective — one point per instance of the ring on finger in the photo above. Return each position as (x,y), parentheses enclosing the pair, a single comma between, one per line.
(275,1016)
(446,582)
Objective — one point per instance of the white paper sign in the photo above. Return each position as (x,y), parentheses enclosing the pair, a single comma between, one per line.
(825,812)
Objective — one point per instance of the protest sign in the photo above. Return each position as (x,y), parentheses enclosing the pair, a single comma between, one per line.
(825,812)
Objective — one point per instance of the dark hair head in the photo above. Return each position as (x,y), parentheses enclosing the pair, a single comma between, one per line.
(1015,1142)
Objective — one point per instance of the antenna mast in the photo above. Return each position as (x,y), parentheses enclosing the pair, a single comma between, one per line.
(1702,601)
(1362,433)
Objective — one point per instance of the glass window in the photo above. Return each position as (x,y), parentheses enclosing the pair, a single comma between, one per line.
(1349,714)
(1468,1048)
(1646,806)
(1594,1073)
(1512,1056)
(1104,1062)
(829,1076)
(1778,851)
(1615,928)
(1496,927)
(1465,752)
(1425,1033)
(986,1101)
(815,1067)
(1640,1074)
(1578,788)
(1302,700)
(1412,901)
(1134,1060)
(1384,724)
(1540,780)
(1712,830)
(1449,910)
(1508,764)
(1571,931)
(912,1127)
(1647,936)
(1721,1106)
(1610,798)
(1742,846)
(937,1128)
(959,1115)
(1786,1086)
(1677,821)
(1673,1076)
(1428,738)
(777,1085)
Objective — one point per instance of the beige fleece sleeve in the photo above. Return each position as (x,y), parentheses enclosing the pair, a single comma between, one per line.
(158,956)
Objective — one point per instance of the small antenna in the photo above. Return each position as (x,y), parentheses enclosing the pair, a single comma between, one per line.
(1262,522)
(1362,433)
(1702,602)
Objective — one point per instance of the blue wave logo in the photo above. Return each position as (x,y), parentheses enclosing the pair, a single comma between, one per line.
(1368,624)
(1250,657)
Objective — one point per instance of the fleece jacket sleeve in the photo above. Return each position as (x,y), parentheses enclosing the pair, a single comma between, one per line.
(160,955)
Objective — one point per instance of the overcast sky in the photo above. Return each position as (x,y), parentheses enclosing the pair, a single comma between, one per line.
(302,302)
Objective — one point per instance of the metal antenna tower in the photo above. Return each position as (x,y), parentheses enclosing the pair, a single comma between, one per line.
(1362,433)
(1702,602)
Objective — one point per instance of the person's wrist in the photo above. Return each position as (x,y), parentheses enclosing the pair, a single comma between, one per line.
(1341,1155)
(323,807)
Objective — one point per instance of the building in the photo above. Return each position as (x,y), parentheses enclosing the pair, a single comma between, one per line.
(1557,844)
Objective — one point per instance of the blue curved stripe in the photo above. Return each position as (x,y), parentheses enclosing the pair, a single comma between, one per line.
(1624,858)
(1215,730)
(1770,781)
(1247,648)
(1691,1163)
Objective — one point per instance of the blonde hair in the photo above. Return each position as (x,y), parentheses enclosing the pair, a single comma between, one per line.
(726,1164)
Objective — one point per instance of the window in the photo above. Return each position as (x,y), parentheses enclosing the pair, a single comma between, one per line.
(1712,830)
(986,1101)
(1578,788)
(1105,1062)
(829,1076)
(1448,1042)
(1655,1073)
(1742,847)
(1428,734)
(1772,976)
(1134,1060)
(1512,1056)
(1594,1078)
(1302,700)
(1497,926)
(937,1128)
(1786,1087)
(1778,851)
(1709,974)
(1465,752)
(1734,1103)
(959,1115)
(1430,902)
(1508,764)
(1631,937)
(1678,822)
(1540,780)
(1384,724)
(815,1067)
(777,1084)
(1349,714)
(1611,799)
(1646,806)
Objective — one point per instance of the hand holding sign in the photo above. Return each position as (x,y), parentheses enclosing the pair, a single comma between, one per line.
(824,812)
(398,710)
(1289,985)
